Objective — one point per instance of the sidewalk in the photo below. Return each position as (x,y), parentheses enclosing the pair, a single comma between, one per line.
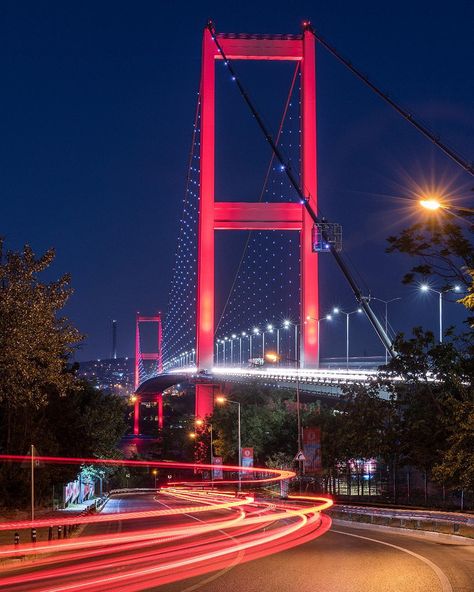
(7,536)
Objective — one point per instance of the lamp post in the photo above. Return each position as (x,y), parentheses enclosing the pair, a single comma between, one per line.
(243,334)
(286,325)
(426,288)
(327,317)
(256,331)
(433,204)
(223,400)
(337,310)
(386,302)
(233,336)
(269,330)
(276,358)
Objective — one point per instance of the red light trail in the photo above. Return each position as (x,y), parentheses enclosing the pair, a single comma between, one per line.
(195,531)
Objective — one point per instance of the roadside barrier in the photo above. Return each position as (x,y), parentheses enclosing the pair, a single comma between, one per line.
(426,521)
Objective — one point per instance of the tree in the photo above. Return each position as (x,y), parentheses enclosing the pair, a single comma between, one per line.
(443,248)
(456,465)
(35,341)
(436,400)
(42,401)
(268,423)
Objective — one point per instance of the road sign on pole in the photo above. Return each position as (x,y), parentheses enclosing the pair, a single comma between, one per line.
(300,456)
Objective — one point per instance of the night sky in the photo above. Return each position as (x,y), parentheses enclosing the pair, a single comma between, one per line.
(97,108)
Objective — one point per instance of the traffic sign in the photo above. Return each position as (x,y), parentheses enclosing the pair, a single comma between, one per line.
(300,456)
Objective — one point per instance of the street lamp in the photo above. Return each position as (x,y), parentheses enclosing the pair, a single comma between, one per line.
(233,336)
(155,474)
(337,310)
(243,334)
(433,204)
(426,288)
(225,340)
(269,330)
(327,317)
(286,325)
(222,400)
(256,331)
(386,302)
(272,357)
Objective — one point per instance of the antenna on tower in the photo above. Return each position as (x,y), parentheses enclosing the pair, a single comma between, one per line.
(114,339)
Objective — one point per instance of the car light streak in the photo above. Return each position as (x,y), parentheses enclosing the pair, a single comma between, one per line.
(175,544)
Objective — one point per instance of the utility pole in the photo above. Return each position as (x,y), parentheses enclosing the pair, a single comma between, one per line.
(32,483)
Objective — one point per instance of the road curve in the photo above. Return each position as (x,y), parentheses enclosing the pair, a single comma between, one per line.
(348,559)
(344,559)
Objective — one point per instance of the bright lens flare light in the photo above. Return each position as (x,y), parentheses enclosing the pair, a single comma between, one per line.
(430,204)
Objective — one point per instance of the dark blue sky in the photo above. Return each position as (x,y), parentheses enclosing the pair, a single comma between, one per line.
(97,106)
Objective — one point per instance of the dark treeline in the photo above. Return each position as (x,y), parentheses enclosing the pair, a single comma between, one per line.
(419,413)
(42,401)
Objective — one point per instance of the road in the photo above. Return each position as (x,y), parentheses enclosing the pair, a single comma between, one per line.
(343,559)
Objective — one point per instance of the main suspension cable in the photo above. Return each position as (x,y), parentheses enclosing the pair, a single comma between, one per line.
(305,200)
(423,129)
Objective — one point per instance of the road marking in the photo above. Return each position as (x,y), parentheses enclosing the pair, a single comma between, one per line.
(221,572)
(445,583)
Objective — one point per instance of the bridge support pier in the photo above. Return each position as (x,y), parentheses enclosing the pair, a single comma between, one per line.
(204,403)
(159,409)
(136,416)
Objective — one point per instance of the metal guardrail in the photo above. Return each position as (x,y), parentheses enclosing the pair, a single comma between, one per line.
(417,520)
(409,513)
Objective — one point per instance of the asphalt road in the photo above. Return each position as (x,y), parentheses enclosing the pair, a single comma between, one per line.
(349,560)
(343,559)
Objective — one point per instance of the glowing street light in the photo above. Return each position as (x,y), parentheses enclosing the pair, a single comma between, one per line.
(243,334)
(233,336)
(327,317)
(427,288)
(255,331)
(222,400)
(337,310)
(286,325)
(433,204)
(430,204)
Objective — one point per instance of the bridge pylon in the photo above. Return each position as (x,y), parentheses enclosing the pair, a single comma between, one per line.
(140,357)
(217,215)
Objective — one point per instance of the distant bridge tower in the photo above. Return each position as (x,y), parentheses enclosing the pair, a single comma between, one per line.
(114,339)
(140,371)
(218,215)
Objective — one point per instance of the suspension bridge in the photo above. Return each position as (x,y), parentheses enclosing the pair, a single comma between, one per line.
(269,326)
